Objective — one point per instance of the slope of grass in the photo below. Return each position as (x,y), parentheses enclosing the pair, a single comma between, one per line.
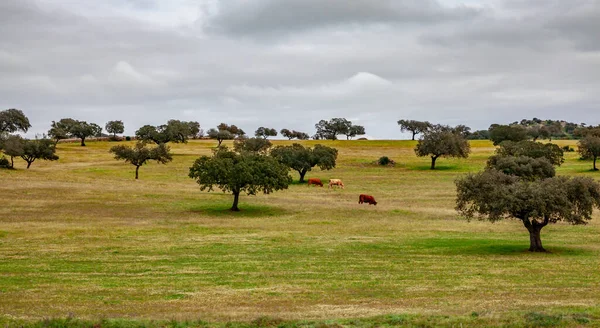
(81,237)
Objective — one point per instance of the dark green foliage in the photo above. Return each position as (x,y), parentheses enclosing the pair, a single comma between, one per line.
(539,132)
(128,138)
(550,151)
(194,130)
(415,127)
(140,154)
(236,173)
(337,126)
(567,149)
(492,195)
(443,141)
(13,120)
(14,147)
(4,163)
(303,159)
(265,133)
(524,167)
(174,131)
(225,132)
(542,320)
(587,131)
(500,133)
(589,148)
(294,134)
(384,161)
(43,149)
(479,135)
(70,128)
(252,145)
(115,127)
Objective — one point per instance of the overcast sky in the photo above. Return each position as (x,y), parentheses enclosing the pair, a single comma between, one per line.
(290,63)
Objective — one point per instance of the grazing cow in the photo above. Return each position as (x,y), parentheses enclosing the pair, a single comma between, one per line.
(366,199)
(336,182)
(315,181)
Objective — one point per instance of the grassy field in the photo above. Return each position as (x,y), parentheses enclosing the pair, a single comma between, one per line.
(80,237)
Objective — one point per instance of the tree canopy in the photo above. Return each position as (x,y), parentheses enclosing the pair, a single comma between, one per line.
(70,128)
(443,141)
(294,134)
(33,150)
(337,126)
(589,148)
(225,132)
(13,120)
(115,127)
(500,133)
(140,154)
(174,131)
(13,146)
(303,159)
(415,127)
(265,133)
(492,195)
(525,167)
(235,173)
(532,149)
(252,145)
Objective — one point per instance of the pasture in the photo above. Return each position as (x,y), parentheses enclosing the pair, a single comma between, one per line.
(80,237)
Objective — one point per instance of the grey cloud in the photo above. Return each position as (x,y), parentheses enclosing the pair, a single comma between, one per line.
(271,17)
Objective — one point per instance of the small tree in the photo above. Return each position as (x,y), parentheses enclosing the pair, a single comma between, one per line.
(500,133)
(494,196)
(265,133)
(355,130)
(527,148)
(236,173)
(220,135)
(415,127)
(303,159)
(589,148)
(442,141)
(140,154)
(174,131)
(60,130)
(194,130)
(252,145)
(14,147)
(294,134)
(13,120)
(115,127)
(38,149)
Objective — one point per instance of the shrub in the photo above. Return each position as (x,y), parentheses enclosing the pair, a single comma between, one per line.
(128,138)
(567,149)
(384,161)
(4,163)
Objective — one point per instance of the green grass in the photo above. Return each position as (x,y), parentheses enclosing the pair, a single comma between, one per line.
(80,237)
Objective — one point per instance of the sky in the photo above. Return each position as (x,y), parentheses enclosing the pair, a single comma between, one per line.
(290,63)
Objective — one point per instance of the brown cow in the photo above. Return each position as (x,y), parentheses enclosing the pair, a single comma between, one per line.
(315,181)
(336,182)
(366,199)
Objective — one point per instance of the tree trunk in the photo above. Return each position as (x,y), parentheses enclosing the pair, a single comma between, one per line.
(137,168)
(414,134)
(595,158)
(433,159)
(220,141)
(29,164)
(12,162)
(535,229)
(82,142)
(535,241)
(236,199)
(302,174)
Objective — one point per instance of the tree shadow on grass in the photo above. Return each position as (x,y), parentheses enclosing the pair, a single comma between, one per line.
(437,168)
(465,246)
(246,210)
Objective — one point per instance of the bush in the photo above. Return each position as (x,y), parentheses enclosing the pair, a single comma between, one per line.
(384,161)
(567,149)
(128,138)
(4,163)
